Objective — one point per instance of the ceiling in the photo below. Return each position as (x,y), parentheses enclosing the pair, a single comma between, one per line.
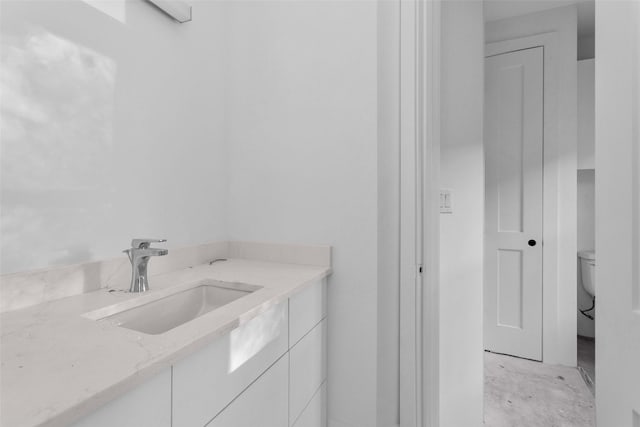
(499,9)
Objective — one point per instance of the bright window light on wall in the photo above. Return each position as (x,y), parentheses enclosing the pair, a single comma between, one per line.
(178,10)
(117,9)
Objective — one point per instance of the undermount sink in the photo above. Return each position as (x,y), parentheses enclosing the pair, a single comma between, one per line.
(156,314)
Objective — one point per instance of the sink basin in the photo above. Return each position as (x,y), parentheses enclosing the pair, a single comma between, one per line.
(164,312)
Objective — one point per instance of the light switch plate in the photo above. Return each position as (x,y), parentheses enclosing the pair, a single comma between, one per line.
(446,206)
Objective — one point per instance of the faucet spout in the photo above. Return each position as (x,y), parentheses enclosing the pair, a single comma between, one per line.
(151,252)
(139,256)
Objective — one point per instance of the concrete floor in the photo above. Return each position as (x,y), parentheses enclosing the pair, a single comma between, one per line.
(587,361)
(524,393)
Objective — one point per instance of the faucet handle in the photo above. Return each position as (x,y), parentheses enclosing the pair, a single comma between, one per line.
(145,243)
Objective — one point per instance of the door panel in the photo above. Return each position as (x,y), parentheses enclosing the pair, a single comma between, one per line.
(509,144)
(513,203)
(510,288)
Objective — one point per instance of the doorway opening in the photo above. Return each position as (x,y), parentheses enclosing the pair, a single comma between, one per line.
(538,214)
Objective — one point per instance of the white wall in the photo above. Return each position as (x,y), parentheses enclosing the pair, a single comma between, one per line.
(560,159)
(461,233)
(586,47)
(586,114)
(586,241)
(388,405)
(618,213)
(112,129)
(586,209)
(255,121)
(302,134)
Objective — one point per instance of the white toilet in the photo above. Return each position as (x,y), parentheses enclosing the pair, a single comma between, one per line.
(588,270)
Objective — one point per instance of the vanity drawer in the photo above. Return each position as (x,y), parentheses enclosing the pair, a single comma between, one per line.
(205,382)
(263,404)
(307,369)
(306,309)
(315,414)
(149,404)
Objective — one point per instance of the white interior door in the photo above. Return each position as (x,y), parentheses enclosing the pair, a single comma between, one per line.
(513,203)
(618,214)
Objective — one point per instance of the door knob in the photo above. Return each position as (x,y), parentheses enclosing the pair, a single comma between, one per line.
(532,242)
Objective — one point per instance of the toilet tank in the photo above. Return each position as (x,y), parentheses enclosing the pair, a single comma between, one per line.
(587,268)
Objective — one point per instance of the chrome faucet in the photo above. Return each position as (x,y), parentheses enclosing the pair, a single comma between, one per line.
(139,255)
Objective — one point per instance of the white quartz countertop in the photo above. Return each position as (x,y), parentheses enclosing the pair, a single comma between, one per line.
(58,365)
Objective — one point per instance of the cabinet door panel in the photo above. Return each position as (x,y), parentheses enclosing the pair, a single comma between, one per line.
(306,309)
(307,369)
(263,404)
(315,414)
(148,404)
(205,382)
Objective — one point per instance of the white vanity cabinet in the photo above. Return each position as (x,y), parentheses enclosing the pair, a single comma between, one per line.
(307,355)
(268,372)
(263,404)
(303,402)
(315,414)
(146,405)
(205,382)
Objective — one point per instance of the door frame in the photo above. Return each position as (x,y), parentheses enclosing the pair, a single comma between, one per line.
(617,230)
(553,349)
(419,99)
(419,53)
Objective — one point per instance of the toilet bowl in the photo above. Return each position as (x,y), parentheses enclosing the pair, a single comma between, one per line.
(588,270)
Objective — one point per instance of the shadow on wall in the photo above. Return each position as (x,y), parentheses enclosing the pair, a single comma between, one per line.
(113,128)
(56,111)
